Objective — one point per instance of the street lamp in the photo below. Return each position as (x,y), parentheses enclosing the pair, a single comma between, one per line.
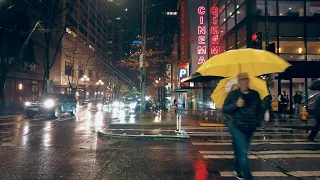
(85,79)
(99,83)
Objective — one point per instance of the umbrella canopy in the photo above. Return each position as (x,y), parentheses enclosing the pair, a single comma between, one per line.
(223,88)
(315,85)
(253,61)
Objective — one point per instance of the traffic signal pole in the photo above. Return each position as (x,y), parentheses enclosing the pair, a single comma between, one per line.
(143,69)
(266,24)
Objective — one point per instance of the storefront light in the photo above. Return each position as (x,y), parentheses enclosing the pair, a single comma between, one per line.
(279,49)
(20,86)
(300,50)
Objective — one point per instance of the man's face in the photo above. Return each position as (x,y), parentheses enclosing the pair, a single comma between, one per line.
(244,82)
(284,92)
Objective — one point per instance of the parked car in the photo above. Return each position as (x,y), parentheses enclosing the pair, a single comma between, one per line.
(53,104)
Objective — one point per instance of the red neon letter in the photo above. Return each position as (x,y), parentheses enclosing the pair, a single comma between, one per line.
(201,10)
(214,20)
(201,60)
(214,30)
(202,49)
(214,10)
(201,40)
(201,19)
(214,40)
(215,50)
(201,30)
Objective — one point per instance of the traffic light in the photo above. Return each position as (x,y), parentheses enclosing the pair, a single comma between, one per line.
(271,47)
(257,40)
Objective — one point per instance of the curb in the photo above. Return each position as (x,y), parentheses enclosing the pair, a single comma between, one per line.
(122,126)
(183,137)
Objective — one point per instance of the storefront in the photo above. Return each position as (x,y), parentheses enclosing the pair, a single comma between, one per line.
(218,26)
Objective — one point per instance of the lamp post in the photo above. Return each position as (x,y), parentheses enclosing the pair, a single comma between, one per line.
(99,83)
(85,79)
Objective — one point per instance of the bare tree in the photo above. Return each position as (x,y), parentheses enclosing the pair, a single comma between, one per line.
(56,17)
(81,59)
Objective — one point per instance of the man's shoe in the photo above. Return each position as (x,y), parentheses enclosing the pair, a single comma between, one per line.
(311,139)
(239,175)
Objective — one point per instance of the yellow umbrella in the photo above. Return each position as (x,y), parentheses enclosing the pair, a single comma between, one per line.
(253,61)
(223,88)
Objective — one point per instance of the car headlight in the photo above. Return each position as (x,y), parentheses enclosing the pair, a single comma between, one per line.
(99,105)
(49,103)
(133,105)
(27,103)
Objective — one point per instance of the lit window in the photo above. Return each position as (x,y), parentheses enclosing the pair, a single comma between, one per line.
(20,86)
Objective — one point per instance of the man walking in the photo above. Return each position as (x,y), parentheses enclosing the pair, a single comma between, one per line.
(316,127)
(243,112)
(283,103)
(297,99)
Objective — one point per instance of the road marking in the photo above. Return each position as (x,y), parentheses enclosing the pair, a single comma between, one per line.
(253,143)
(263,152)
(255,135)
(211,124)
(305,173)
(266,140)
(255,174)
(265,156)
(3,117)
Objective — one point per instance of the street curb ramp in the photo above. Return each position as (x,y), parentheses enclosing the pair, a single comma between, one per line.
(183,137)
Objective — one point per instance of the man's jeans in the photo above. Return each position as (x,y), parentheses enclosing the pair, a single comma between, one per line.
(240,142)
(297,109)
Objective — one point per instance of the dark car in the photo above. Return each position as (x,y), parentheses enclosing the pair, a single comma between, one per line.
(53,104)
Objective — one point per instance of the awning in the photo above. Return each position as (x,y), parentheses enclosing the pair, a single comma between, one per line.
(197,77)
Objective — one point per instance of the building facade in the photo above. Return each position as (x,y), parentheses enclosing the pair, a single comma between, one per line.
(290,25)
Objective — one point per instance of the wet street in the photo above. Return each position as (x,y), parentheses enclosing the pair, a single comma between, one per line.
(69,148)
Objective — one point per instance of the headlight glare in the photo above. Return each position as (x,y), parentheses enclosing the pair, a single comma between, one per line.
(27,103)
(49,103)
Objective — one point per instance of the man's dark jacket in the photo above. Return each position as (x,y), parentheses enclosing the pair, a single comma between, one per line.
(248,117)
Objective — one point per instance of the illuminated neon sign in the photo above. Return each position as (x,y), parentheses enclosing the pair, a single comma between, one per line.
(214,32)
(202,47)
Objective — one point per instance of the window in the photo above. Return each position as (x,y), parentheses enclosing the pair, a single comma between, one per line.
(272,26)
(241,13)
(230,8)
(230,23)
(313,8)
(239,3)
(222,18)
(293,57)
(272,8)
(313,45)
(291,8)
(221,5)
(223,29)
(81,72)
(68,68)
(242,33)
(90,74)
(292,45)
(231,40)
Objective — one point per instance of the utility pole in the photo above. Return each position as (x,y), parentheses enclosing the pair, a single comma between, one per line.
(143,53)
(266,23)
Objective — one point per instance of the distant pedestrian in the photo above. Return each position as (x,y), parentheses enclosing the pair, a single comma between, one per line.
(297,100)
(243,112)
(175,105)
(283,103)
(316,127)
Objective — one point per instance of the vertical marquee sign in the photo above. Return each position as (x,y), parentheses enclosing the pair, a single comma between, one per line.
(214,31)
(198,27)
(183,34)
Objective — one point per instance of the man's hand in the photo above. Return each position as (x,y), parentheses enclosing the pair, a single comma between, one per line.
(240,102)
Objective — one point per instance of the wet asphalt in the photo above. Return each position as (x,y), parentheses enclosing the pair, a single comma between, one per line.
(69,148)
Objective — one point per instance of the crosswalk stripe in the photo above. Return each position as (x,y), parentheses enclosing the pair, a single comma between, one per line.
(255,135)
(275,174)
(253,143)
(264,152)
(255,174)
(265,156)
(266,140)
